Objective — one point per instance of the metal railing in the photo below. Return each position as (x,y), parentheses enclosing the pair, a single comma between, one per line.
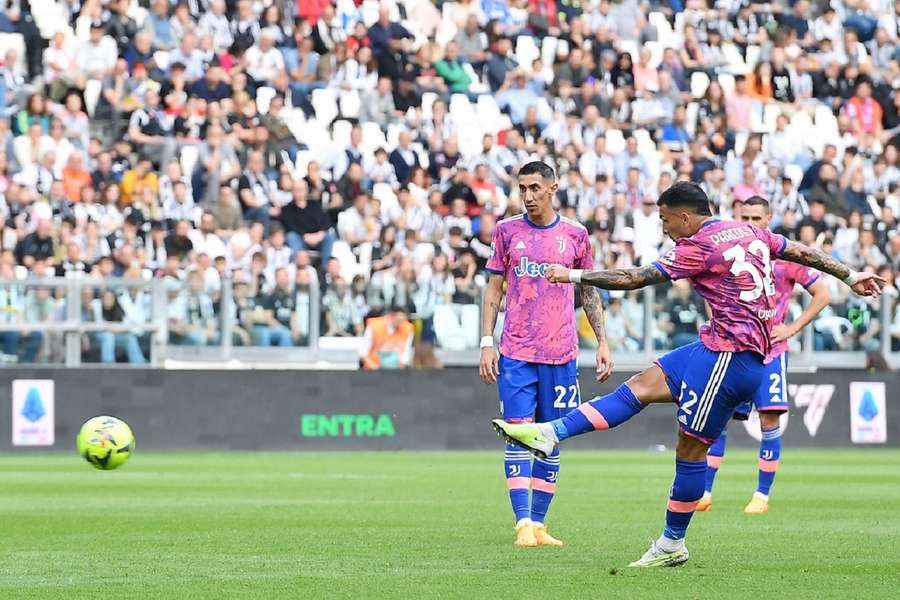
(70,325)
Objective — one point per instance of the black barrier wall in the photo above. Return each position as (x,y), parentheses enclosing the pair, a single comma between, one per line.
(444,409)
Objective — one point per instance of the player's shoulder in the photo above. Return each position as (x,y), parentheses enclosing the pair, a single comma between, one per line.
(513,221)
(573,223)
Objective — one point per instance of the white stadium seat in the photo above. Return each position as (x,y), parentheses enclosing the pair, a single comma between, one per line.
(264,96)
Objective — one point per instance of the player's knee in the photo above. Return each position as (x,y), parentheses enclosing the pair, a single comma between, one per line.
(769,420)
(650,386)
(690,448)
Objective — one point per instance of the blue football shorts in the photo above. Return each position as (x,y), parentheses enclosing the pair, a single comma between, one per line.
(709,385)
(536,391)
(771,396)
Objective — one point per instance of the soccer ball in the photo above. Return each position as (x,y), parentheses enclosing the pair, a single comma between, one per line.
(105,442)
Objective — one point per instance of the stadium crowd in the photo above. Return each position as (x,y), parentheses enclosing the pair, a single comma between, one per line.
(367,149)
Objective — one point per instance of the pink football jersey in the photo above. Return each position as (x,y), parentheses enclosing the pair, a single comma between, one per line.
(730,266)
(787,275)
(539,324)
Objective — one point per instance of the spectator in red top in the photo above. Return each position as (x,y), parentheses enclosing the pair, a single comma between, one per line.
(311,9)
(864,110)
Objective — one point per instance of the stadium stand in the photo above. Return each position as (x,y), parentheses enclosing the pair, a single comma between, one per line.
(366,149)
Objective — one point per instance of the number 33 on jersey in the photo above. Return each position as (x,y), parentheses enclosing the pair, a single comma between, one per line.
(730,264)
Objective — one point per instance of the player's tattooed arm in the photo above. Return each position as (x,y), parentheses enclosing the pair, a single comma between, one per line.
(593,308)
(815,258)
(864,284)
(624,279)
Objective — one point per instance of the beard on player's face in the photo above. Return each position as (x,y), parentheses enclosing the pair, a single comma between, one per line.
(679,223)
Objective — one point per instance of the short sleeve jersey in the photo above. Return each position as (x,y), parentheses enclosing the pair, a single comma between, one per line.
(539,324)
(730,265)
(787,275)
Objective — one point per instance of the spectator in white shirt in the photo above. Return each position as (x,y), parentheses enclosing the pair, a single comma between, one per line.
(205,239)
(59,61)
(596,163)
(265,63)
(214,22)
(96,58)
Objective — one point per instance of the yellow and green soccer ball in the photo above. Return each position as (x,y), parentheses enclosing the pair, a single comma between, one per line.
(105,442)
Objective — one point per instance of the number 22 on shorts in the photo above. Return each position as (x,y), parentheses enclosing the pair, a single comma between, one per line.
(562,391)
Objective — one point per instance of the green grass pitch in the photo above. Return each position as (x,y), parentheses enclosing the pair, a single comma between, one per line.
(435,525)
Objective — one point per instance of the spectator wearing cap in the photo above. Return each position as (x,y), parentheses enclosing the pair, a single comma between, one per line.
(306,225)
(96,57)
(393,63)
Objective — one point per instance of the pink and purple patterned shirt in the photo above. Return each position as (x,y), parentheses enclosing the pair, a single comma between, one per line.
(787,275)
(730,265)
(539,324)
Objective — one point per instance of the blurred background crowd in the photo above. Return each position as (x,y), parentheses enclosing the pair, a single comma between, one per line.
(359,154)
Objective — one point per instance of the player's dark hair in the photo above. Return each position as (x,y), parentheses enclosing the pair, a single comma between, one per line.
(537,167)
(758,201)
(686,194)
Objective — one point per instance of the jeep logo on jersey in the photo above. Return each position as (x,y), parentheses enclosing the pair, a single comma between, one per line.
(531,269)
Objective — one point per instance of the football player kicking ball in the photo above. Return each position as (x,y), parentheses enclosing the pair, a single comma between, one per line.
(536,370)
(770,399)
(729,264)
